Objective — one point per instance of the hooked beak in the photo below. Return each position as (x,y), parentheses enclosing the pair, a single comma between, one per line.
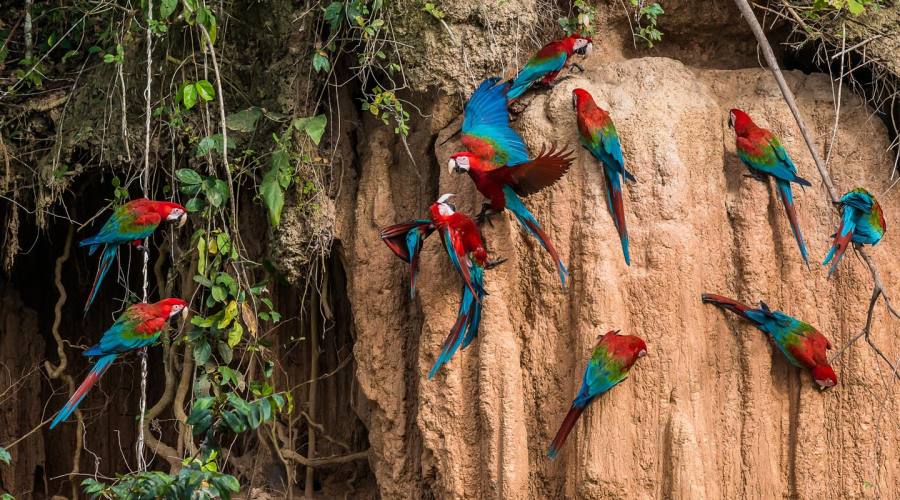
(642,353)
(184,314)
(182,220)
(730,120)
(451,166)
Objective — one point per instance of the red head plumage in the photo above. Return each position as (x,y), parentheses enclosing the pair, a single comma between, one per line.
(824,376)
(166,308)
(740,121)
(626,348)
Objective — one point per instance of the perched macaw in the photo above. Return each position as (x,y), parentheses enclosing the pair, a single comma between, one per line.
(612,358)
(801,344)
(139,326)
(598,135)
(862,222)
(497,161)
(764,154)
(548,62)
(129,223)
(463,243)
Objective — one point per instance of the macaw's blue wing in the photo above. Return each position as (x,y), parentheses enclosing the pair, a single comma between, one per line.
(406,241)
(784,168)
(535,69)
(119,228)
(485,130)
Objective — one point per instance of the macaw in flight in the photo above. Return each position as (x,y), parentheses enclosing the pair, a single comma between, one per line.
(611,360)
(763,153)
(598,135)
(465,248)
(544,66)
(129,223)
(139,326)
(801,344)
(862,222)
(497,162)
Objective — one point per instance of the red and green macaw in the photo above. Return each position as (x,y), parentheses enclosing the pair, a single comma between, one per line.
(862,222)
(497,162)
(129,223)
(611,360)
(801,344)
(138,327)
(764,154)
(598,135)
(465,248)
(548,62)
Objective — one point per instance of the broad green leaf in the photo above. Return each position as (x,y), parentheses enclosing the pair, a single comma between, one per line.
(243,121)
(314,126)
(225,352)
(235,334)
(320,62)
(201,352)
(5,457)
(333,15)
(201,256)
(195,205)
(212,143)
(189,96)
(203,280)
(224,243)
(205,90)
(167,7)
(271,193)
(231,311)
(234,422)
(218,293)
(188,176)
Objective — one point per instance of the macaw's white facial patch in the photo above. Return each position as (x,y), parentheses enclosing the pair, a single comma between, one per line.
(174,214)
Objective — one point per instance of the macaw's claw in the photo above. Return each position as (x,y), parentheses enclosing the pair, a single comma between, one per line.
(576,65)
(757,176)
(494,263)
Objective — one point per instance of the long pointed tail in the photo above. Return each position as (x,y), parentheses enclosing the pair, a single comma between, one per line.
(787,198)
(515,205)
(726,303)
(475,319)
(106,261)
(617,208)
(96,372)
(564,430)
(467,308)
(841,239)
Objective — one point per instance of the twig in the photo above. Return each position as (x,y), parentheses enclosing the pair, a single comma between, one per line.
(321,462)
(145,184)
(879,289)
(313,389)
(29,44)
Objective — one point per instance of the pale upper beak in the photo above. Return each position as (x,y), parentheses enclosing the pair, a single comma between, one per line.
(182,220)
(642,353)
(184,314)
(451,165)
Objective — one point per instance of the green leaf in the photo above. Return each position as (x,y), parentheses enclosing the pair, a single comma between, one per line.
(225,352)
(201,352)
(203,280)
(314,126)
(201,256)
(5,457)
(205,90)
(320,62)
(167,7)
(243,121)
(188,176)
(231,311)
(218,293)
(333,15)
(235,334)
(270,191)
(189,96)
(212,143)
(234,422)
(195,205)
(228,375)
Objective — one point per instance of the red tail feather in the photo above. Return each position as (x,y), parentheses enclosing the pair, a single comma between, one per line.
(564,430)
(725,303)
